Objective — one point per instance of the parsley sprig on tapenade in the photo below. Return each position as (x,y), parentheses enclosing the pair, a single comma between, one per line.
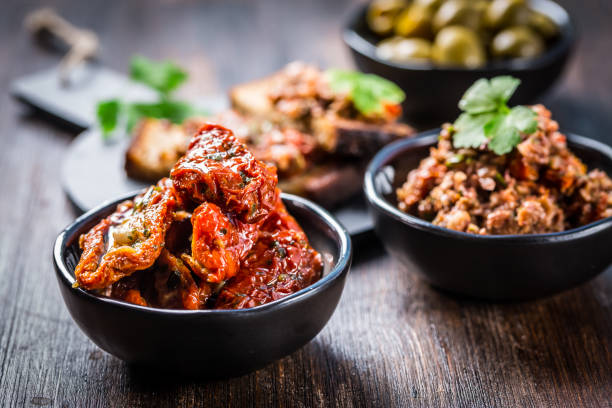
(487,119)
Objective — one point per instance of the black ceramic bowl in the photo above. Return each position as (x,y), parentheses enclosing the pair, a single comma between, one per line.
(503,267)
(432,92)
(209,343)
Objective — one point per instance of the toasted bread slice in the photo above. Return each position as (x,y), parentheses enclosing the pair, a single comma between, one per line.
(292,119)
(338,135)
(156,146)
(251,98)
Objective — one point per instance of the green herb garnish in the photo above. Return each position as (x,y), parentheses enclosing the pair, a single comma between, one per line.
(500,179)
(282,252)
(174,111)
(146,232)
(370,93)
(245,179)
(455,159)
(487,119)
(108,114)
(164,78)
(215,156)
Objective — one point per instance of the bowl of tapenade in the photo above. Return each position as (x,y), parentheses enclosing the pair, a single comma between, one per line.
(434,49)
(211,272)
(499,204)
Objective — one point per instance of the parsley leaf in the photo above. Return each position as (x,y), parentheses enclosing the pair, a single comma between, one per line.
(108,115)
(503,134)
(369,92)
(164,76)
(478,98)
(524,119)
(505,130)
(341,80)
(503,87)
(487,119)
(469,130)
(487,96)
(174,111)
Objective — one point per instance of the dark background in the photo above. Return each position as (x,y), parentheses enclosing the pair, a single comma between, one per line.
(392,341)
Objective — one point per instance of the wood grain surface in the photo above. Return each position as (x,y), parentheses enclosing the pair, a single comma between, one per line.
(393,341)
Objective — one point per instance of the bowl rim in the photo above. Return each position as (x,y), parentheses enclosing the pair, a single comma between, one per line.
(429,138)
(341,266)
(564,44)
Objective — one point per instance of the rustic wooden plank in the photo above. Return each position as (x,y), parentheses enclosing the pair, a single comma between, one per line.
(393,340)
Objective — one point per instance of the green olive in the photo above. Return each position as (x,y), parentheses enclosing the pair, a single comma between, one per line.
(401,49)
(543,24)
(458,12)
(431,5)
(382,13)
(415,21)
(517,42)
(458,46)
(504,13)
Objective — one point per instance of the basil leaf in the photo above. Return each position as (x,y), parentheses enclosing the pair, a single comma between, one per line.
(469,130)
(369,92)
(108,115)
(162,76)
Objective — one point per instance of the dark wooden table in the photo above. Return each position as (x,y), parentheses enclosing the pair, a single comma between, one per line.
(393,340)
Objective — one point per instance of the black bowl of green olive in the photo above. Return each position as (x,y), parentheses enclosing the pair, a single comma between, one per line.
(435,49)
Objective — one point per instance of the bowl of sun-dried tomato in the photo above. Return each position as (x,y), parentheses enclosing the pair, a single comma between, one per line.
(212,271)
(209,343)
